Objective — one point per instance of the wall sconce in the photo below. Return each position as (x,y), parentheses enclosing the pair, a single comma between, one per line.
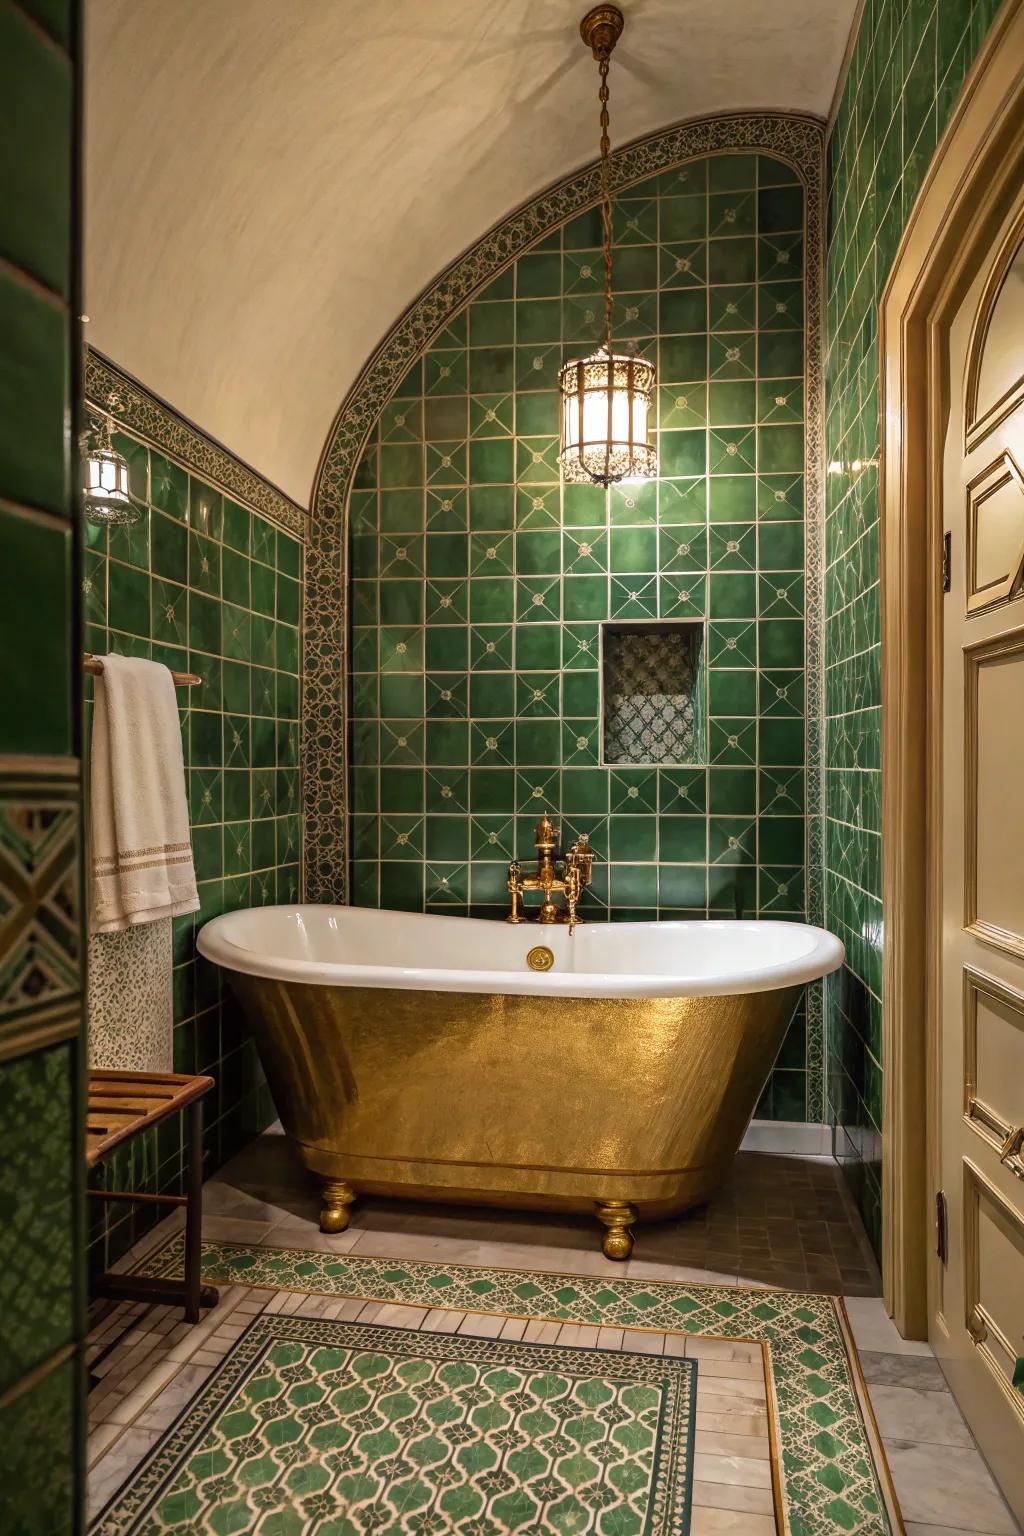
(105,491)
(606,398)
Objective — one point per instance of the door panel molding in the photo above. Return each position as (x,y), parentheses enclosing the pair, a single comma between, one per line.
(1001,476)
(982,653)
(991,1340)
(983,1117)
(968,192)
(976,428)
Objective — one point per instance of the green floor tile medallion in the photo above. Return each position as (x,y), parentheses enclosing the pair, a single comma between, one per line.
(340,1428)
(833,1473)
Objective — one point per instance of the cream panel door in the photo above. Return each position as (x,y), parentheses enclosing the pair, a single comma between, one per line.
(978,1326)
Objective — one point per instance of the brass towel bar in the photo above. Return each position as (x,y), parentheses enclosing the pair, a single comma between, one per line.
(94,666)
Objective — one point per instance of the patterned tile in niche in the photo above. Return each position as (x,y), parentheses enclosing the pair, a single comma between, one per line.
(651,678)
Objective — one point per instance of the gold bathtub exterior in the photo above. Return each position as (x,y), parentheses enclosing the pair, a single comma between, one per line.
(631,1108)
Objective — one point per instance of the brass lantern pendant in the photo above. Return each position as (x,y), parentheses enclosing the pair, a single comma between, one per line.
(606,398)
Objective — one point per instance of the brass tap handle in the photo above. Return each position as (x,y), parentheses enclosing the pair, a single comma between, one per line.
(515,889)
(582,856)
(572,890)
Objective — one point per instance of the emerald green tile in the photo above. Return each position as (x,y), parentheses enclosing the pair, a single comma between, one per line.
(169,490)
(401,789)
(634,549)
(780,449)
(446,650)
(732,498)
(780,208)
(538,742)
(35,184)
(33,622)
(633,885)
(732,693)
(682,453)
(169,548)
(33,379)
(780,353)
(633,838)
(128,599)
(538,646)
(682,358)
(538,553)
(492,695)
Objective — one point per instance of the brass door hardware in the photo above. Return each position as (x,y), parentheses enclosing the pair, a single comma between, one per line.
(941,1227)
(1009,1153)
(576,874)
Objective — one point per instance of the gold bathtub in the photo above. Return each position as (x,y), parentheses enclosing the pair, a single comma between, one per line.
(523,1094)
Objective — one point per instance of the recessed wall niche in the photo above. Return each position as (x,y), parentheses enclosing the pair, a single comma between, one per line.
(652,687)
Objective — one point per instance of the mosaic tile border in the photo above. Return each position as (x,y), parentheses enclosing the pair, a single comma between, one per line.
(140,412)
(669,1491)
(797,140)
(830,1485)
(41,956)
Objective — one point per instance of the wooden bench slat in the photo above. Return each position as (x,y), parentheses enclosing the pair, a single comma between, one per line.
(121,1105)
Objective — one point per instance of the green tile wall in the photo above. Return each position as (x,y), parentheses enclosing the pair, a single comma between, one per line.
(909,61)
(204,584)
(478,581)
(41,940)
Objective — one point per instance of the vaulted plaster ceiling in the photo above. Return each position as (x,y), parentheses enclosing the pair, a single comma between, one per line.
(269,183)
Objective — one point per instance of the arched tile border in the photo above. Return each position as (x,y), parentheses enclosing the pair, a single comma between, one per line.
(797,140)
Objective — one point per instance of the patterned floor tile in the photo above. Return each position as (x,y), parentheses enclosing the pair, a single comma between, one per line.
(340,1429)
(833,1479)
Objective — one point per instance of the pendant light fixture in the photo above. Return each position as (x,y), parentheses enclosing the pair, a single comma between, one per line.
(606,398)
(105,492)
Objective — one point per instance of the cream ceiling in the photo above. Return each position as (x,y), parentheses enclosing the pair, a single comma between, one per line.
(269,183)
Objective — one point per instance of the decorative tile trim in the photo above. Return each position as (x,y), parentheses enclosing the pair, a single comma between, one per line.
(833,1471)
(151,418)
(799,141)
(40,937)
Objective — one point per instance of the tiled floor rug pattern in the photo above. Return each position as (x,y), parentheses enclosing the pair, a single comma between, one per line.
(341,1429)
(833,1476)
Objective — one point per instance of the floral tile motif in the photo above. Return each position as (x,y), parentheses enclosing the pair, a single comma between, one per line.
(326,1427)
(832,1482)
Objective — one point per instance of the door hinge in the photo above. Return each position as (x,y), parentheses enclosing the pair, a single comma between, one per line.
(947,560)
(941,1227)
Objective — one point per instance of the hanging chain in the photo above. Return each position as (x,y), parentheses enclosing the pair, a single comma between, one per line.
(606,203)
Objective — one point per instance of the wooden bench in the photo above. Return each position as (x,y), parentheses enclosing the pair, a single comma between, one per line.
(121,1106)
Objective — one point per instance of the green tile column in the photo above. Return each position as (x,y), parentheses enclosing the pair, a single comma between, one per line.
(41,944)
(906,70)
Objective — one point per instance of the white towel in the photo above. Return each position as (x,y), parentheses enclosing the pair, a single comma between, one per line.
(142,866)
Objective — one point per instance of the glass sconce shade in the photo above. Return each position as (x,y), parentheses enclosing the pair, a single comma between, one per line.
(105,491)
(606,401)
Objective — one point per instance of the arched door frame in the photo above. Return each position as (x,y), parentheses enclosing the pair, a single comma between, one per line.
(977,170)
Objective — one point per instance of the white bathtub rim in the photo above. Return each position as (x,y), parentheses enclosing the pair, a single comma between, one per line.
(827,954)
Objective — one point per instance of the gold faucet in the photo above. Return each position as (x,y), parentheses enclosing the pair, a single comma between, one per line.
(577,867)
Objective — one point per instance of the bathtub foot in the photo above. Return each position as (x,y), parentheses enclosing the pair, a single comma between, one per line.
(618,1216)
(337,1196)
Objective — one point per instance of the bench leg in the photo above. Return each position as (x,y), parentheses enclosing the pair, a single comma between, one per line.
(196,1294)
